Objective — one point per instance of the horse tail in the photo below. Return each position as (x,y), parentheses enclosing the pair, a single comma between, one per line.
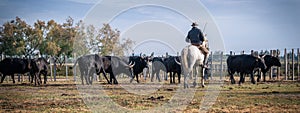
(184,61)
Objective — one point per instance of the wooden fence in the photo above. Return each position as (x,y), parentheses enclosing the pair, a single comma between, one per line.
(217,63)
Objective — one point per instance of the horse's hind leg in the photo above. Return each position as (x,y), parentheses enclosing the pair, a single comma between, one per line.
(196,76)
(185,80)
(202,77)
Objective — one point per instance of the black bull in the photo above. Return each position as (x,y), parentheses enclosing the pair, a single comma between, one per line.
(11,66)
(157,65)
(90,64)
(139,64)
(41,66)
(169,65)
(115,66)
(131,66)
(244,64)
(173,68)
(269,61)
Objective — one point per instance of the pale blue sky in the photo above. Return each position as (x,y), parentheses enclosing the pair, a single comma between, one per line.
(244,24)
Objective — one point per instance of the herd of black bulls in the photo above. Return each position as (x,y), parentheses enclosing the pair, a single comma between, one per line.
(132,66)
(248,64)
(36,67)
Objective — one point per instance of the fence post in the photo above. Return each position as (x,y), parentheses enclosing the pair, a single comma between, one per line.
(293,66)
(51,70)
(271,68)
(66,67)
(221,76)
(298,64)
(19,75)
(286,64)
(211,66)
(278,68)
(74,69)
(289,65)
(54,69)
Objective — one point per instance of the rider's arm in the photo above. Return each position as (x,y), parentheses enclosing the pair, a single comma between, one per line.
(187,39)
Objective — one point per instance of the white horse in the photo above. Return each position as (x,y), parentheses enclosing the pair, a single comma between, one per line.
(191,59)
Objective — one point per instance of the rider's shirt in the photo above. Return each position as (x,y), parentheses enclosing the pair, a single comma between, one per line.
(195,36)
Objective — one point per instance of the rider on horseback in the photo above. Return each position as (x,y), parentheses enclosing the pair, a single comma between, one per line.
(196,38)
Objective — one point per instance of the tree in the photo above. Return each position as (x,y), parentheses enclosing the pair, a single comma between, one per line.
(109,39)
(52,38)
(104,41)
(127,46)
(59,38)
(80,47)
(37,38)
(110,43)
(19,38)
(16,38)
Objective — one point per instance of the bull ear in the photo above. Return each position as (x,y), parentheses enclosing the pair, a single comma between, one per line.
(152,54)
(141,54)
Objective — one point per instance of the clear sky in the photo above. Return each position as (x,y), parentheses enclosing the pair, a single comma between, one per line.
(243,24)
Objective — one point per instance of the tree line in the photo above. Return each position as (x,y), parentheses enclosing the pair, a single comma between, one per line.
(18,38)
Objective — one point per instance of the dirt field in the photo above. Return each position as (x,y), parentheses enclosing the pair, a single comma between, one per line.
(66,96)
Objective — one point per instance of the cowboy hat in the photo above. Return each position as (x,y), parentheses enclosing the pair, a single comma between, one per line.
(194,24)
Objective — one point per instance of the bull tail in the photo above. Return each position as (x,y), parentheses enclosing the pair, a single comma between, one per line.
(229,65)
(75,63)
(74,66)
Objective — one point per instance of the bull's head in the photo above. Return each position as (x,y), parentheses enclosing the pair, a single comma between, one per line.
(260,62)
(131,64)
(274,61)
(120,66)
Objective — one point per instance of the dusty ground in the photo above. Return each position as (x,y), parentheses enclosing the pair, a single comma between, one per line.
(66,96)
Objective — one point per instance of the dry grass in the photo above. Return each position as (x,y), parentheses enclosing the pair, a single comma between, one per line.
(63,96)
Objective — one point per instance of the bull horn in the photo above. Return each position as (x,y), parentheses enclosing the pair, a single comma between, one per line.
(130,63)
(258,56)
(48,60)
(131,66)
(177,61)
